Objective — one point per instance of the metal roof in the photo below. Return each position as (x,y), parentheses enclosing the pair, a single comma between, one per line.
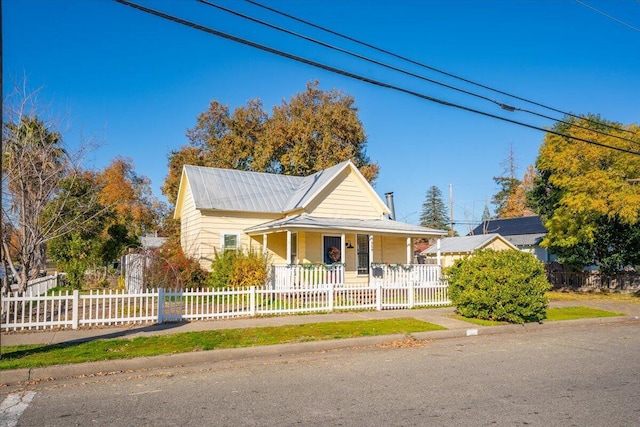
(234,190)
(512,226)
(526,239)
(463,244)
(378,226)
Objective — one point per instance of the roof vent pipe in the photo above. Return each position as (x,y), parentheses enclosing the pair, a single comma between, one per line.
(389,196)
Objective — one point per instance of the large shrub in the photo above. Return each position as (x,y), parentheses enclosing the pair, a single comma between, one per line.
(499,285)
(238,269)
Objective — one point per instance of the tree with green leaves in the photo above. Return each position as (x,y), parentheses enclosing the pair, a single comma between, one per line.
(588,195)
(314,130)
(434,211)
(118,208)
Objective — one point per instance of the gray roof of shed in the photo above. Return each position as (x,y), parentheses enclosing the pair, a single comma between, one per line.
(380,226)
(234,190)
(462,244)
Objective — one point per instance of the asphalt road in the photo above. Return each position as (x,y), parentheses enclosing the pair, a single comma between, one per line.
(573,376)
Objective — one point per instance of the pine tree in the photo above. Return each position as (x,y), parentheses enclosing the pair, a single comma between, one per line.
(434,211)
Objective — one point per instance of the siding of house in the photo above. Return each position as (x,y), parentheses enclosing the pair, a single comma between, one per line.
(497,245)
(190,225)
(213,225)
(392,250)
(346,197)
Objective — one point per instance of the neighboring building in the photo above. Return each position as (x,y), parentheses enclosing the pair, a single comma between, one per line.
(446,251)
(152,241)
(525,233)
(331,217)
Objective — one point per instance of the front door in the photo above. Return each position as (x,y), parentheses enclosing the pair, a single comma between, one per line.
(332,249)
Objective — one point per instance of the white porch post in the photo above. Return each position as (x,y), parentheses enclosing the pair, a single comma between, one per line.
(409,251)
(264,245)
(288,246)
(370,259)
(342,249)
(438,251)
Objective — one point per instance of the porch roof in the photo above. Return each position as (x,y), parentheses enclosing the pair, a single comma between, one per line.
(370,226)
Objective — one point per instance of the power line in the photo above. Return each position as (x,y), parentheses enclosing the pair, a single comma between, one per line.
(619,21)
(423,65)
(359,77)
(409,73)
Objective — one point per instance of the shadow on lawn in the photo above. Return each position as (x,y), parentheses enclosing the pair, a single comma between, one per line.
(75,342)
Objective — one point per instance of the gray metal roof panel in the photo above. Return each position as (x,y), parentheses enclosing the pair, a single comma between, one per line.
(526,239)
(234,190)
(461,244)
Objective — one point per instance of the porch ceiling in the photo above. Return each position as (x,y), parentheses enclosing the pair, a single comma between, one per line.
(368,226)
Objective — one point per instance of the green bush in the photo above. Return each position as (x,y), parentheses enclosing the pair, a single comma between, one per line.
(499,285)
(238,269)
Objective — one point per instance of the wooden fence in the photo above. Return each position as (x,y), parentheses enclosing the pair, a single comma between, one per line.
(590,281)
(75,310)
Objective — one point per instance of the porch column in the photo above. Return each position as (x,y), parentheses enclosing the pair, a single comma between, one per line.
(342,250)
(438,251)
(288,247)
(370,259)
(409,251)
(264,245)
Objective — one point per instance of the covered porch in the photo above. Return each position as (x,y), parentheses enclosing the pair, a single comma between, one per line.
(311,253)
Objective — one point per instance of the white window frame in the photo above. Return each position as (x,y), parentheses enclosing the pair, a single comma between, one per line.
(368,266)
(294,248)
(223,236)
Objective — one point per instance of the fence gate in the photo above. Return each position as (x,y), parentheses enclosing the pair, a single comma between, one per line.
(133,265)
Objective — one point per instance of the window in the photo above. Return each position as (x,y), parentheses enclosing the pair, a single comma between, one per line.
(362,253)
(294,248)
(332,252)
(230,242)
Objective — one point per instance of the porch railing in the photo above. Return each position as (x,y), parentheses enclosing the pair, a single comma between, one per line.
(319,276)
(405,274)
(302,276)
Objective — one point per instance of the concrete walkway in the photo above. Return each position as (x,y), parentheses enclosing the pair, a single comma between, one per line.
(439,316)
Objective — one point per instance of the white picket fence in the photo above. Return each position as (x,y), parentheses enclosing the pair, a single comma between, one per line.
(40,285)
(75,310)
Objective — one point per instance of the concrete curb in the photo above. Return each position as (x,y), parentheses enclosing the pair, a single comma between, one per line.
(182,360)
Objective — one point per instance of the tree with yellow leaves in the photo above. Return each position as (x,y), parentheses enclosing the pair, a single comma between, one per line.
(588,195)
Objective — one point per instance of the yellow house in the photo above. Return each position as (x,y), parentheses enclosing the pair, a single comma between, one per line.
(330,226)
(446,251)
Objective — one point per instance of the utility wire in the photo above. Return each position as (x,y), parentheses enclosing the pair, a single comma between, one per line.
(409,73)
(619,21)
(359,77)
(423,65)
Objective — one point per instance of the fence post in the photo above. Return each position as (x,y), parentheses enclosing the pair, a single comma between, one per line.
(75,304)
(252,301)
(330,296)
(379,296)
(412,300)
(160,305)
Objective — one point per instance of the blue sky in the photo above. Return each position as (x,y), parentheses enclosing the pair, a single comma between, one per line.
(135,82)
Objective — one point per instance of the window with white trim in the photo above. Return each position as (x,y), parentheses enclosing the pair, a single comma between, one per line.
(362,253)
(230,242)
(294,248)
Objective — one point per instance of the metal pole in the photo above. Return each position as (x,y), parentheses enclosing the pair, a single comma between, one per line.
(1,156)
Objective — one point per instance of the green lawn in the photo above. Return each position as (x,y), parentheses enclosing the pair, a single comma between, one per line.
(45,355)
(572,313)
(553,314)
